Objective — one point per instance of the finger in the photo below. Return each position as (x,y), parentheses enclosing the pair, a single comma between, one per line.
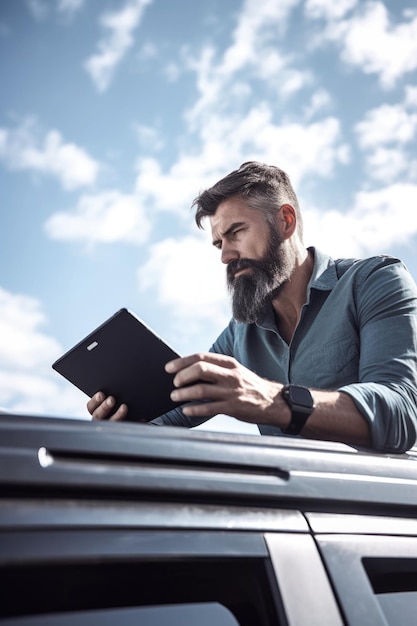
(120,414)
(95,401)
(208,357)
(205,409)
(104,409)
(172,367)
(197,393)
(198,372)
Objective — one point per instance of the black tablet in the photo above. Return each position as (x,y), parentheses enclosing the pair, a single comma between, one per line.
(123,358)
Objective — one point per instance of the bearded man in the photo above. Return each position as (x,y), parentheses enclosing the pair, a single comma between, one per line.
(319,348)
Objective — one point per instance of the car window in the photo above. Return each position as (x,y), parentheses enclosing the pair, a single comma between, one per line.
(395,604)
(203,614)
(394,583)
(375,577)
(165,578)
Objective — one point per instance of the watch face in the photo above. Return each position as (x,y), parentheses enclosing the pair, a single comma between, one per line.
(300,395)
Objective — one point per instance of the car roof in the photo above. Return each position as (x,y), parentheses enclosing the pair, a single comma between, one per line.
(168,463)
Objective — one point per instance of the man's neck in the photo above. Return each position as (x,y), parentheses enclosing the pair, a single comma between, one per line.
(293,295)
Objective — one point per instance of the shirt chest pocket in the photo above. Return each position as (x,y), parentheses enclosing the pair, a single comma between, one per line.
(328,364)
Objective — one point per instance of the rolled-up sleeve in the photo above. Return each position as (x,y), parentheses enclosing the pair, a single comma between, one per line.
(386,394)
(176,417)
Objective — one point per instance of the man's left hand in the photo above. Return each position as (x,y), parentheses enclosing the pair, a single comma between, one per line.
(225,386)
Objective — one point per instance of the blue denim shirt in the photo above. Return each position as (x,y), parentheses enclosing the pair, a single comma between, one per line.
(357,334)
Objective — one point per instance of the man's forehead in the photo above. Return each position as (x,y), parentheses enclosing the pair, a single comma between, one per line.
(229,211)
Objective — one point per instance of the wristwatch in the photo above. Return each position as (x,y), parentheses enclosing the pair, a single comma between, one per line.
(301,403)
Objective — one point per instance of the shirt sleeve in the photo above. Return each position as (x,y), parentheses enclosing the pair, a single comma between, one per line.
(386,393)
(176,417)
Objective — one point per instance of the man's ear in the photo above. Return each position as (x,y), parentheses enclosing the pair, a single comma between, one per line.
(288,220)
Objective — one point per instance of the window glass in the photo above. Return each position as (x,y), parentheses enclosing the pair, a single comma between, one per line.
(394,582)
(232,590)
(394,605)
(203,614)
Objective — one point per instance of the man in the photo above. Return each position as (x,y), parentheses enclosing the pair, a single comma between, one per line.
(316,347)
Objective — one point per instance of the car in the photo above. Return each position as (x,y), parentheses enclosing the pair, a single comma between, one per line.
(133,524)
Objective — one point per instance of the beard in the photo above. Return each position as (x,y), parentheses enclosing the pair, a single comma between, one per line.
(251,292)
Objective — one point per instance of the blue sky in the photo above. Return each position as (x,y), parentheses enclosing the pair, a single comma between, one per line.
(114,114)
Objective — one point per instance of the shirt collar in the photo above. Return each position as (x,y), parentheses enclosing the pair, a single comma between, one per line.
(323,277)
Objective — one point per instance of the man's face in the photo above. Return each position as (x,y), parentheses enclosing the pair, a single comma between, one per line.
(258,263)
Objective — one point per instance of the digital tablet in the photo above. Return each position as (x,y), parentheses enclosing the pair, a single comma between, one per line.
(123,358)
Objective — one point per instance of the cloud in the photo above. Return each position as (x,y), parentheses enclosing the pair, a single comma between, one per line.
(374,225)
(410,96)
(328,9)
(27,382)
(22,149)
(320,101)
(107,217)
(368,39)
(149,137)
(385,133)
(232,140)
(119,26)
(29,393)
(23,344)
(387,164)
(187,278)
(386,124)
(41,10)
(221,81)
(227,124)
(69,7)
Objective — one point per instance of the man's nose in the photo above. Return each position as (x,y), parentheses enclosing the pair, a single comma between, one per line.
(229,253)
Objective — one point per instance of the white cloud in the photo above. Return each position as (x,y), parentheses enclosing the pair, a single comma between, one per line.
(385,134)
(40,9)
(321,148)
(23,344)
(149,137)
(410,96)
(253,49)
(119,26)
(188,279)
(371,42)
(386,124)
(224,129)
(29,393)
(386,164)
(174,191)
(374,225)
(227,124)
(69,7)
(106,217)
(320,101)
(328,9)
(232,140)
(27,382)
(22,149)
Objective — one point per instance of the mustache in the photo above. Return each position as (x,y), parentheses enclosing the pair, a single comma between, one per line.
(236,265)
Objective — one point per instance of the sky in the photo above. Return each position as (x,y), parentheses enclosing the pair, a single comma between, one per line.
(115,114)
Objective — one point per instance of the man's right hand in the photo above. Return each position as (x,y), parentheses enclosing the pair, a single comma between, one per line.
(101,407)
